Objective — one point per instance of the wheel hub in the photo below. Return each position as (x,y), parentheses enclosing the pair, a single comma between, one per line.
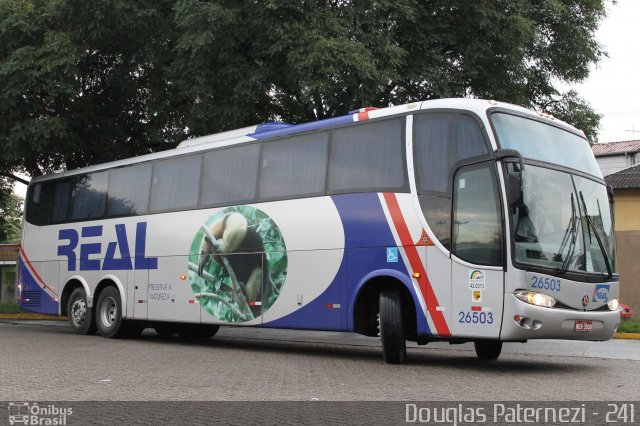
(78,311)
(109,312)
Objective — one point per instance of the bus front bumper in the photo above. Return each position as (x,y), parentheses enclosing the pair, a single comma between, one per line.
(523,321)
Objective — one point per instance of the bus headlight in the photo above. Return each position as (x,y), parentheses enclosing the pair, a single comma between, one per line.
(613,304)
(534,298)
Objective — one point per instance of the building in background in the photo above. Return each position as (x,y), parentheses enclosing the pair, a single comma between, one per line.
(8,259)
(615,156)
(626,190)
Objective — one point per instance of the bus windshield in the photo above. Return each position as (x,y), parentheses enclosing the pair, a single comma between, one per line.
(539,141)
(565,223)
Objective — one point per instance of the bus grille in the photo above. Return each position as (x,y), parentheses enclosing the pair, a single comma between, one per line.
(32,299)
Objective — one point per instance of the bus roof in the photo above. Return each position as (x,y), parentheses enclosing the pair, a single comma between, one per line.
(275,129)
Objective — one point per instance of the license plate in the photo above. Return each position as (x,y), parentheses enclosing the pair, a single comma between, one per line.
(584,326)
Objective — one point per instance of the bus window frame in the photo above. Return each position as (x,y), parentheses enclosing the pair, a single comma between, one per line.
(587,277)
(453,170)
(70,175)
(405,188)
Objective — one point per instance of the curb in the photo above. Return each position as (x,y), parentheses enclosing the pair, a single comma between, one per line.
(27,316)
(627,336)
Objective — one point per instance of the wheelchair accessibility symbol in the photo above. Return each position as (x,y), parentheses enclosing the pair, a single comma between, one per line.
(392,254)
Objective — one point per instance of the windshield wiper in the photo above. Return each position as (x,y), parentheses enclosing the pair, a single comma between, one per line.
(598,239)
(571,229)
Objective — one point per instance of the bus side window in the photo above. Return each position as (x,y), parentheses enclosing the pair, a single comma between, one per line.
(476,232)
(129,190)
(61,197)
(294,167)
(368,157)
(175,183)
(39,204)
(441,142)
(230,175)
(88,196)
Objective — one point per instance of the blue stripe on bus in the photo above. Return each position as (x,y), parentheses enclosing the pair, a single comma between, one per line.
(367,234)
(305,127)
(33,298)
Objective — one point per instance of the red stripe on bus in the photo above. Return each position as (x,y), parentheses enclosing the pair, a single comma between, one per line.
(26,259)
(416,264)
(363,116)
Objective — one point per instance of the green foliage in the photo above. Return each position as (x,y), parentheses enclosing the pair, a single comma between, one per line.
(629,326)
(10,214)
(82,85)
(275,266)
(10,308)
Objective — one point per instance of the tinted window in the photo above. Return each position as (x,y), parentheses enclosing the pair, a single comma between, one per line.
(541,141)
(61,196)
(476,232)
(129,190)
(441,141)
(368,157)
(294,167)
(39,203)
(88,197)
(175,183)
(230,175)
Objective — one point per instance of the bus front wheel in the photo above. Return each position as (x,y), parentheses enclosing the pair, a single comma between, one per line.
(394,345)
(488,349)
(80,314)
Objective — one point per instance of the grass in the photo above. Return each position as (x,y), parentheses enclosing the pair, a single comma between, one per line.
(9,308)
(629,326)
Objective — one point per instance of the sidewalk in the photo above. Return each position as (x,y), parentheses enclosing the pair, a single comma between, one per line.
(28,316)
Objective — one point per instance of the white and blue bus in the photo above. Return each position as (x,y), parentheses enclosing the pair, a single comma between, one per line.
(447,220)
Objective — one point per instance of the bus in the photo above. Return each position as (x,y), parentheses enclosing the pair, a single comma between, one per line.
(459,220)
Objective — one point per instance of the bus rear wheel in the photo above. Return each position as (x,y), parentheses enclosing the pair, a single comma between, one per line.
(80,314)
(109,314)
(488,349)
(394,345)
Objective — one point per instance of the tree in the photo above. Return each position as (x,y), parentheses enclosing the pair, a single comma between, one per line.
(10,214)
(82,85)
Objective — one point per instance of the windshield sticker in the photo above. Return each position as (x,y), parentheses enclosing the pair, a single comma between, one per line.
(476,295)
(476,280)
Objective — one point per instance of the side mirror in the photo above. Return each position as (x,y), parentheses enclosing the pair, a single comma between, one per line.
(514,177)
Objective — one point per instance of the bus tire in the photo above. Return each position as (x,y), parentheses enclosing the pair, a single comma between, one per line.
(80,314)
(109,314)
(197,331)
(394,345)
(488,349)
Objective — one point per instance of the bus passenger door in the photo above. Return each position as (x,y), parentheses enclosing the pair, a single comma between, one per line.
(477,275)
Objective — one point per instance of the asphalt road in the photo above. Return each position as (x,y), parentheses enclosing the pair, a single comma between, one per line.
(43,360)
